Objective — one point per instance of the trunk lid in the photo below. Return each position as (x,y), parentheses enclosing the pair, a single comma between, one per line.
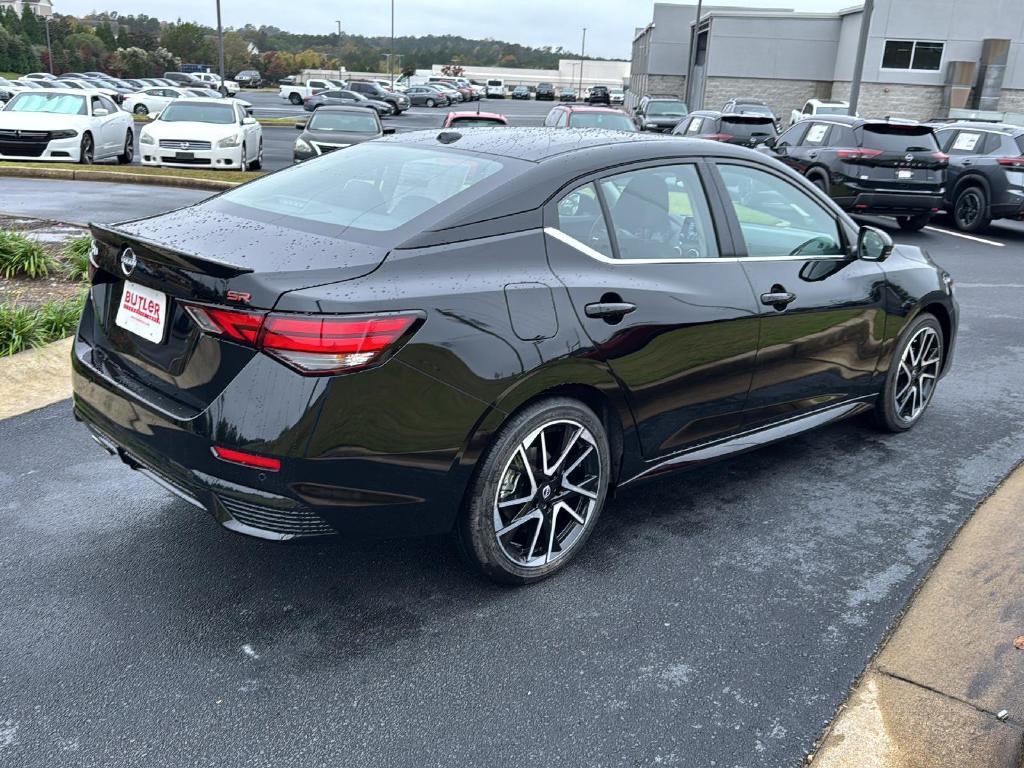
(205,255)
(897,156)
(748,130)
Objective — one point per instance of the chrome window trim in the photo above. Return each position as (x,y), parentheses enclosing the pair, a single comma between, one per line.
(572,242)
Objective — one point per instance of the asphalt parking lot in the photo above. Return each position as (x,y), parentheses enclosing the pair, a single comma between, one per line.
(715,618)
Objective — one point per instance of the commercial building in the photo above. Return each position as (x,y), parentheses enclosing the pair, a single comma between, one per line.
(40,7)
(923,57)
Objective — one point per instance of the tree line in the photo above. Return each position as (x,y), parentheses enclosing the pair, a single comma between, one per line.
(143,46)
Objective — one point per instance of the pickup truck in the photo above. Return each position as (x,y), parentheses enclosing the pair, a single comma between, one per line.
(296,93)
(815,107)
(227,88)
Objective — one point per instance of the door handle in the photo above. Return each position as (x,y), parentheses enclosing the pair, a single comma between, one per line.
(609,309)
(812,155)
(968,162)
(778,299)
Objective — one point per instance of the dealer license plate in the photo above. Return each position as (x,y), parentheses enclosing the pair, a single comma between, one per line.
(143,311)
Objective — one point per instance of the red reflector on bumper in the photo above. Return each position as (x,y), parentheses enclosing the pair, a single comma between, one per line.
(247,459)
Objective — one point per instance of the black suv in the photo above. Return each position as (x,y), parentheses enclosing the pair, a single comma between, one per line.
(659,113)
(745,130)
(398,101)
(545,92)
(744,106)
(185,79)
(599,95)
(869,166)
(985,180)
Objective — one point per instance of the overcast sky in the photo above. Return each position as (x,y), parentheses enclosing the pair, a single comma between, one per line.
(609,23)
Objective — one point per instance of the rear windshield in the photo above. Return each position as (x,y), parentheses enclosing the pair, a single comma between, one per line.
(495,82)
(219,114)
(753,109)
(370,187)
(615,121)
(58,103)
(831,110)
(667,108)
(749,127)
(899,138)
(477,122)
(343,121)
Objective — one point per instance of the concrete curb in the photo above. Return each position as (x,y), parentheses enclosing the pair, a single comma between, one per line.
(66,174)
(947,687)
(35,378)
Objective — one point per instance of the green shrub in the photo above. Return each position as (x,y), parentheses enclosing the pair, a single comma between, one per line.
(21,256)
(76,258)
(58,319)
(20,328)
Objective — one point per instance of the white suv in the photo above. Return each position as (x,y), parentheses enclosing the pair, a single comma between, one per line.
(230,87)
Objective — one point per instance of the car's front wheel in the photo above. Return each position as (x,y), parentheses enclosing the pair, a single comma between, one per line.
(431,103)
(537,493)
(295,99)
(128,153)
(87,150)
(913,375)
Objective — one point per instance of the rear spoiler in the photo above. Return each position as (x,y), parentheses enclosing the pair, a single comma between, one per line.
(151,251)
(743,118)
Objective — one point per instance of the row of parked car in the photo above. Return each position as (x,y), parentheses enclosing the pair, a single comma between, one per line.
(115,87)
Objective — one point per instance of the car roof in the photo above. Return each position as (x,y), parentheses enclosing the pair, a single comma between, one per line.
(538,144)
(823,102)
(486,115)
(588,108)
(344,108)
(1007,128)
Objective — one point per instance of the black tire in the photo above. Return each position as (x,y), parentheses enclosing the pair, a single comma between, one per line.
(295,99)
(141,109)
(820,182)
(430,103)
(257,164)
(914,223)
(502,463)
(126,157)
(970,209)
(887,415)
(87,150)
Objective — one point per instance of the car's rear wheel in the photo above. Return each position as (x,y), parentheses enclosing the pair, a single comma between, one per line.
(913,374)
(970,210)
(820,182)
(141,109)
(914,223)
(257,164)
(295,99)
(87,150)
(126,157)
(537,493)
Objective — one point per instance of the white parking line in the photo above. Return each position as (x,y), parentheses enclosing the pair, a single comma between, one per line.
(966,237)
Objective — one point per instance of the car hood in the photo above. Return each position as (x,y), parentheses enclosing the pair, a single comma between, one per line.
(41,120)
(337,137)
(190,130)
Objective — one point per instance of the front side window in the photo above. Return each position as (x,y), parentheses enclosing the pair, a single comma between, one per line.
(660,213)
(776,218)
(912,54)
(793,136)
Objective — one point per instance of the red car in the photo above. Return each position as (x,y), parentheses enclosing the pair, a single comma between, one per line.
(474,119)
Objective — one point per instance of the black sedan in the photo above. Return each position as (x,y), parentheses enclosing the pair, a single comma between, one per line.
(345,99)
(567,94)
(488,332)
(332,128)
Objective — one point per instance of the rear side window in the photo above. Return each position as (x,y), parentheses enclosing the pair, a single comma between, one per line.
(817,135)
(899,138)
(842,136)
(794,135)
(1020,143)
(368,187)
(967,143)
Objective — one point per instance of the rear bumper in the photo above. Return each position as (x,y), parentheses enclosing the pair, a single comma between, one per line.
(910,203)
(340,490)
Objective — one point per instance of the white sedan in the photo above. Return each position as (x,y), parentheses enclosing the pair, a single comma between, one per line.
(153,100)
(65,125)
(203,133)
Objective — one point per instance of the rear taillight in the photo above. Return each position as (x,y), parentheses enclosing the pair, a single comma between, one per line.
(863,153)
(941,158)
(313,344)
(717,136)
(1012,162)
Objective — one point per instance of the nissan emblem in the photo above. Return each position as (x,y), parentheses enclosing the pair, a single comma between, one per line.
(128,261)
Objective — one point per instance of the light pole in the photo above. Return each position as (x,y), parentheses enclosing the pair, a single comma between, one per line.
(220,45)
(49,49)
(583,51)
(338,22)
(694,37)
(858,64)
(391,58)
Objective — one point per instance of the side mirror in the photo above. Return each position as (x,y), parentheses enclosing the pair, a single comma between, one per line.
(873,244)
(248,121)
(769,142)
(300,126)
(388,130)
(100,112)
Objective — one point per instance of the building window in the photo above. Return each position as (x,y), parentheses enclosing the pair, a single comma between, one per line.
(912,54)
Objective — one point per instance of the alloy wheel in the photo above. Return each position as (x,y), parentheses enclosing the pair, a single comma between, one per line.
(87,153)
(968,209)
(917,375)
(547,493)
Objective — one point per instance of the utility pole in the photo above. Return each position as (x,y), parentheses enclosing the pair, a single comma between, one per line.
(49,49)
(220,45)
(338,21)
(583,51)
(858,64)
(391,58)
(691,65)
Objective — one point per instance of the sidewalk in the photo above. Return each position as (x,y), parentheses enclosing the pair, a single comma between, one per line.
(947,689)
(35,378)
